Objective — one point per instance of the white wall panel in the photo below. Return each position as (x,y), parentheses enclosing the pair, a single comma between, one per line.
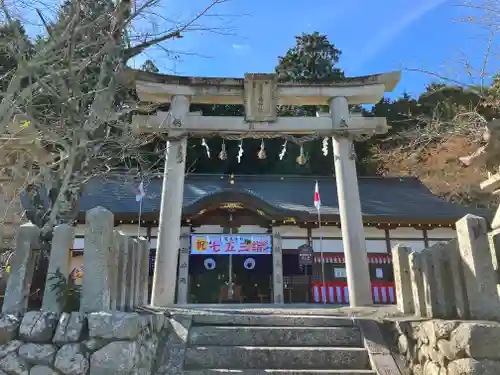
(292,244)
(329,246)
(406,233)
(372,232)
(441,233)
(250,229)
(292,231)
(376,246)
(327,231)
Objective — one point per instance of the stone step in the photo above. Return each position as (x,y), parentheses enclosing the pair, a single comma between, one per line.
(275,357)
(275,336)
(271,320)
(278,372)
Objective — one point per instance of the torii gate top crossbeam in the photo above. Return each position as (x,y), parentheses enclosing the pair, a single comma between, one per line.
(160,88)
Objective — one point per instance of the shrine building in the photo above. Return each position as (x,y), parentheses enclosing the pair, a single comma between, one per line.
(229,224)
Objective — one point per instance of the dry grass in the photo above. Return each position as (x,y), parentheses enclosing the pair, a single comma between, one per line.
(437,167)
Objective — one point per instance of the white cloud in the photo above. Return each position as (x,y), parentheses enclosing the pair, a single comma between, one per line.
(241,46)
(376,44)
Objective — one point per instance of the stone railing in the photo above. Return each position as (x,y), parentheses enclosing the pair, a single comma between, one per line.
(442,288)
(117,268)
(456,280)
(101,338)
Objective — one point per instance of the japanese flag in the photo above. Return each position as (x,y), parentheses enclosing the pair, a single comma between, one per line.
(317,199)
(140,193)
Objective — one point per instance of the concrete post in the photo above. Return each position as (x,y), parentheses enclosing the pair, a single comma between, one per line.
(169,229)
(183,272)
(60,253)
(402,281)
(351,220)
(480,275)
(124,271)
(97,261)
(277,268)
(21,270)
(143,279)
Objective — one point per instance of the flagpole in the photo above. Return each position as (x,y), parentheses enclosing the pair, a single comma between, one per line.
(323,294)
(317,204)
(139,197)
(139,223)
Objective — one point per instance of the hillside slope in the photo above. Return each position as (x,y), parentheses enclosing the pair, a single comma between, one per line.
(437,167)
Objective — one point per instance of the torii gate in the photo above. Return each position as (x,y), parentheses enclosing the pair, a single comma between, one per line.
(261,94)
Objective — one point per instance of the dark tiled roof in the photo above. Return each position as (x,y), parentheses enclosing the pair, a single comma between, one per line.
(405,198)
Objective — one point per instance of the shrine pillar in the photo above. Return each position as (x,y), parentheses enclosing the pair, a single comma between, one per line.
(353,236)
(169,228)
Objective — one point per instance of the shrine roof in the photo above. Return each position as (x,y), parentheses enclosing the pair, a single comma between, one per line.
(391,200)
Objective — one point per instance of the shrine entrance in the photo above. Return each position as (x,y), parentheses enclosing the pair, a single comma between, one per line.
(260,94)
(230,269)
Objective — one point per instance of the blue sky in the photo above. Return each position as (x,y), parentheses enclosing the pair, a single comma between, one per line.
(375,36)
(241,36)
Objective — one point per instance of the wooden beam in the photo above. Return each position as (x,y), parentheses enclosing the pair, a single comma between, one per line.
(196,123)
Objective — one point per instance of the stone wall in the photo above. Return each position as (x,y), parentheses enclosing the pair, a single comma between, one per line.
(456,280)
(117,268)
(99,343)
(106,336)
(449,347)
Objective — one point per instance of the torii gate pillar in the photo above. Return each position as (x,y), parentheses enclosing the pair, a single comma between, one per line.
(351,220)
(169,227)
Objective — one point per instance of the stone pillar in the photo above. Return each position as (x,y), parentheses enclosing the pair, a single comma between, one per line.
(143,278)
(135,273)
(183,272)
(172,198)
(60,254)
(124,271)
(113,271)
(402,281)
(97,261)
(21,270)
(417,284)
(458,280)
(432,305)
(480,276)
(351,220)
(441,254)
(494,240)
(131,270)
(277,268)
